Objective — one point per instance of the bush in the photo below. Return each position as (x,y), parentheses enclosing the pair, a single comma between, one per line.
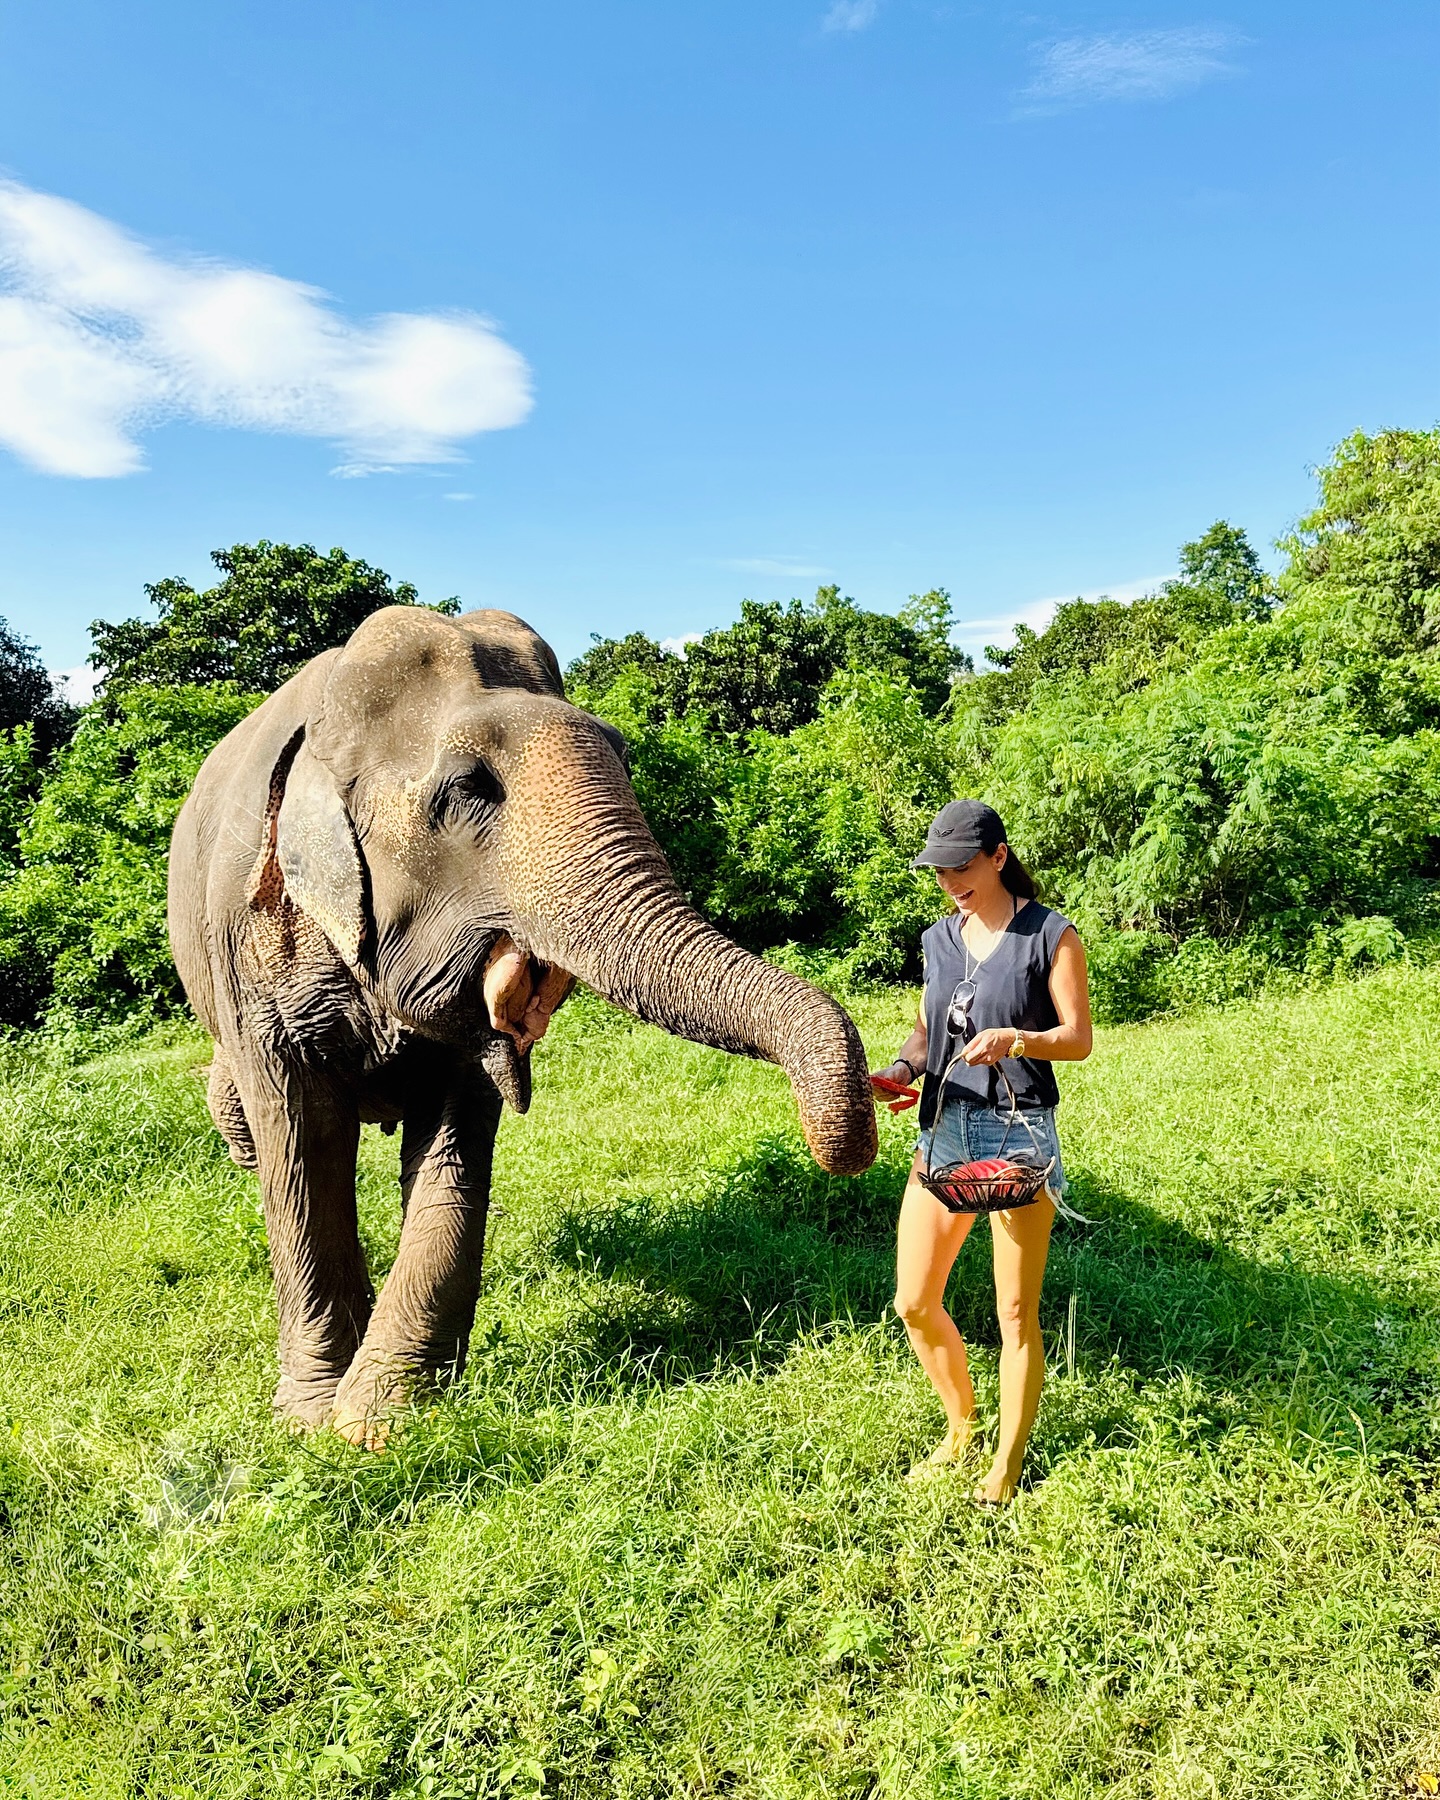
(1127,974)
(82,911)
(1215,782)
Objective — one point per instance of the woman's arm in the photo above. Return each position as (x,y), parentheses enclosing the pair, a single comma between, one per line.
(1069,1041)
(912,1053)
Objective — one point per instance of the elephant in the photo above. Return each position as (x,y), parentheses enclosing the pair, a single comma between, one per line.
(382,884)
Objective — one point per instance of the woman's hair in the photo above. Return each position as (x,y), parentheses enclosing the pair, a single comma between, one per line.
(1015,878)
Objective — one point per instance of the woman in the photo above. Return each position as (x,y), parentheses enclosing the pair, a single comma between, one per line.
(1005,989)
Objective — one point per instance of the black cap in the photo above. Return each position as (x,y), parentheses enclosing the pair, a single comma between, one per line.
(959,832)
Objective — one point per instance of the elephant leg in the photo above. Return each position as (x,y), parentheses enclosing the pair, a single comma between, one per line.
(421,1327)
(305,1146)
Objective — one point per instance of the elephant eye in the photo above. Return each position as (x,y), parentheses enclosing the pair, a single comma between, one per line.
(470,796)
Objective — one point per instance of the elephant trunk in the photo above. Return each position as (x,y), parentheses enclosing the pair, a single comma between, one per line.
(615,918)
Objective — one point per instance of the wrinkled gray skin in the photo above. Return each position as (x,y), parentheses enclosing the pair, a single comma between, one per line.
(381,885)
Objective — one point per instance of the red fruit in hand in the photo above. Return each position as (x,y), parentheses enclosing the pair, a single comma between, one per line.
(883,1084)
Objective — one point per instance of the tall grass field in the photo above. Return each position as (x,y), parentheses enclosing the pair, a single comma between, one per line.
(658,1541)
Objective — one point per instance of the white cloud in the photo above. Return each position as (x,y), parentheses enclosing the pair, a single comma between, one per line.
(788,568)
(77,685)
(100,336)
(675,646)
(1144,65)
(974,634)
(850,15)
(457,496)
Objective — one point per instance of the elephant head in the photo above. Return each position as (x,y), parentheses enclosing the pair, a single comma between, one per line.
(444,812)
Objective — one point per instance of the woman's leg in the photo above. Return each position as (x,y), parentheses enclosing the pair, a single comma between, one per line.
(929,1240)
(1021,1243)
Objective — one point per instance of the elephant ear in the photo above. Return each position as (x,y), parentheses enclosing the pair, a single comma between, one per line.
(318,856)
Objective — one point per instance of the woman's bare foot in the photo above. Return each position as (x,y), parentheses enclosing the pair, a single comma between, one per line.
(953,1448)
(997,1489)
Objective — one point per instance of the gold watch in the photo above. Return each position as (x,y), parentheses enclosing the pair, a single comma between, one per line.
(1017,1047)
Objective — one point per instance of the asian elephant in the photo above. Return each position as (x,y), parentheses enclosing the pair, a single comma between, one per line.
(382,884)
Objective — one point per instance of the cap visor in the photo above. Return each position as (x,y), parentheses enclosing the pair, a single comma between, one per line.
(944,856)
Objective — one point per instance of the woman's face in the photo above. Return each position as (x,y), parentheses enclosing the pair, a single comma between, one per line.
(977,886)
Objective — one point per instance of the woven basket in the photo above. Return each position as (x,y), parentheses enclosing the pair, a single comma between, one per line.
(991,1185)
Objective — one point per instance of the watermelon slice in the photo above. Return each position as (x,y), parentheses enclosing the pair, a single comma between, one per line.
(887,1086)
(988,1176)
(905,1097)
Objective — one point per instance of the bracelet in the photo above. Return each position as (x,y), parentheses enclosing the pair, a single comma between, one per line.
(908,1064)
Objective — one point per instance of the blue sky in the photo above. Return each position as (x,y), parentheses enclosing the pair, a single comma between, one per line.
(746,297)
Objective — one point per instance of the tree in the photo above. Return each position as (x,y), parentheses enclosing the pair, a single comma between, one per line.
(277,606)
(1221,583)
(1215,785)
(1222,566)
(612,660)
(769,669)
(82,906)
(1369,554)
(27,696)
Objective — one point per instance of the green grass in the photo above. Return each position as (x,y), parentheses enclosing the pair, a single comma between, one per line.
(657,1543)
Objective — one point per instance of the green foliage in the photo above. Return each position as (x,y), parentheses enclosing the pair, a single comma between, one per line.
(1254,788)
(825,823)
(657,1542)
(1129,645)
(24,978)
(1213,781)
(803,837)
(82,909)
(1368,557)
(768,671)
(277,606)
(681,776)
(1244,793)
(21,772)
(26,694)
(633,673)
(786,762)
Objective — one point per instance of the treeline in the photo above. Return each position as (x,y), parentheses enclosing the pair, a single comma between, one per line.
(88,795)
(1232,778)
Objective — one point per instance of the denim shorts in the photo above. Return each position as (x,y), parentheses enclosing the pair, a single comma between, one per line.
(967,1133)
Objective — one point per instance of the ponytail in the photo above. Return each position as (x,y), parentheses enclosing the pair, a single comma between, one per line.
(1015,878)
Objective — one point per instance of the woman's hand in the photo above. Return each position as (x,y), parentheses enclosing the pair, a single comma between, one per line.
(899,1070)
(901,1075)
(894,1084)
(989,1046)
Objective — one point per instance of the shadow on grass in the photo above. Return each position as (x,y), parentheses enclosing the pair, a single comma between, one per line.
(766,1250)
(772,1248)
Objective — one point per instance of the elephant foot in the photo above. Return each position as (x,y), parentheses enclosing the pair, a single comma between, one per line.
(304,1406)
(364,1432)
(369,1400)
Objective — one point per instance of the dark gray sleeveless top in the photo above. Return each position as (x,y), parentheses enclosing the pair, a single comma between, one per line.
(1012,990)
